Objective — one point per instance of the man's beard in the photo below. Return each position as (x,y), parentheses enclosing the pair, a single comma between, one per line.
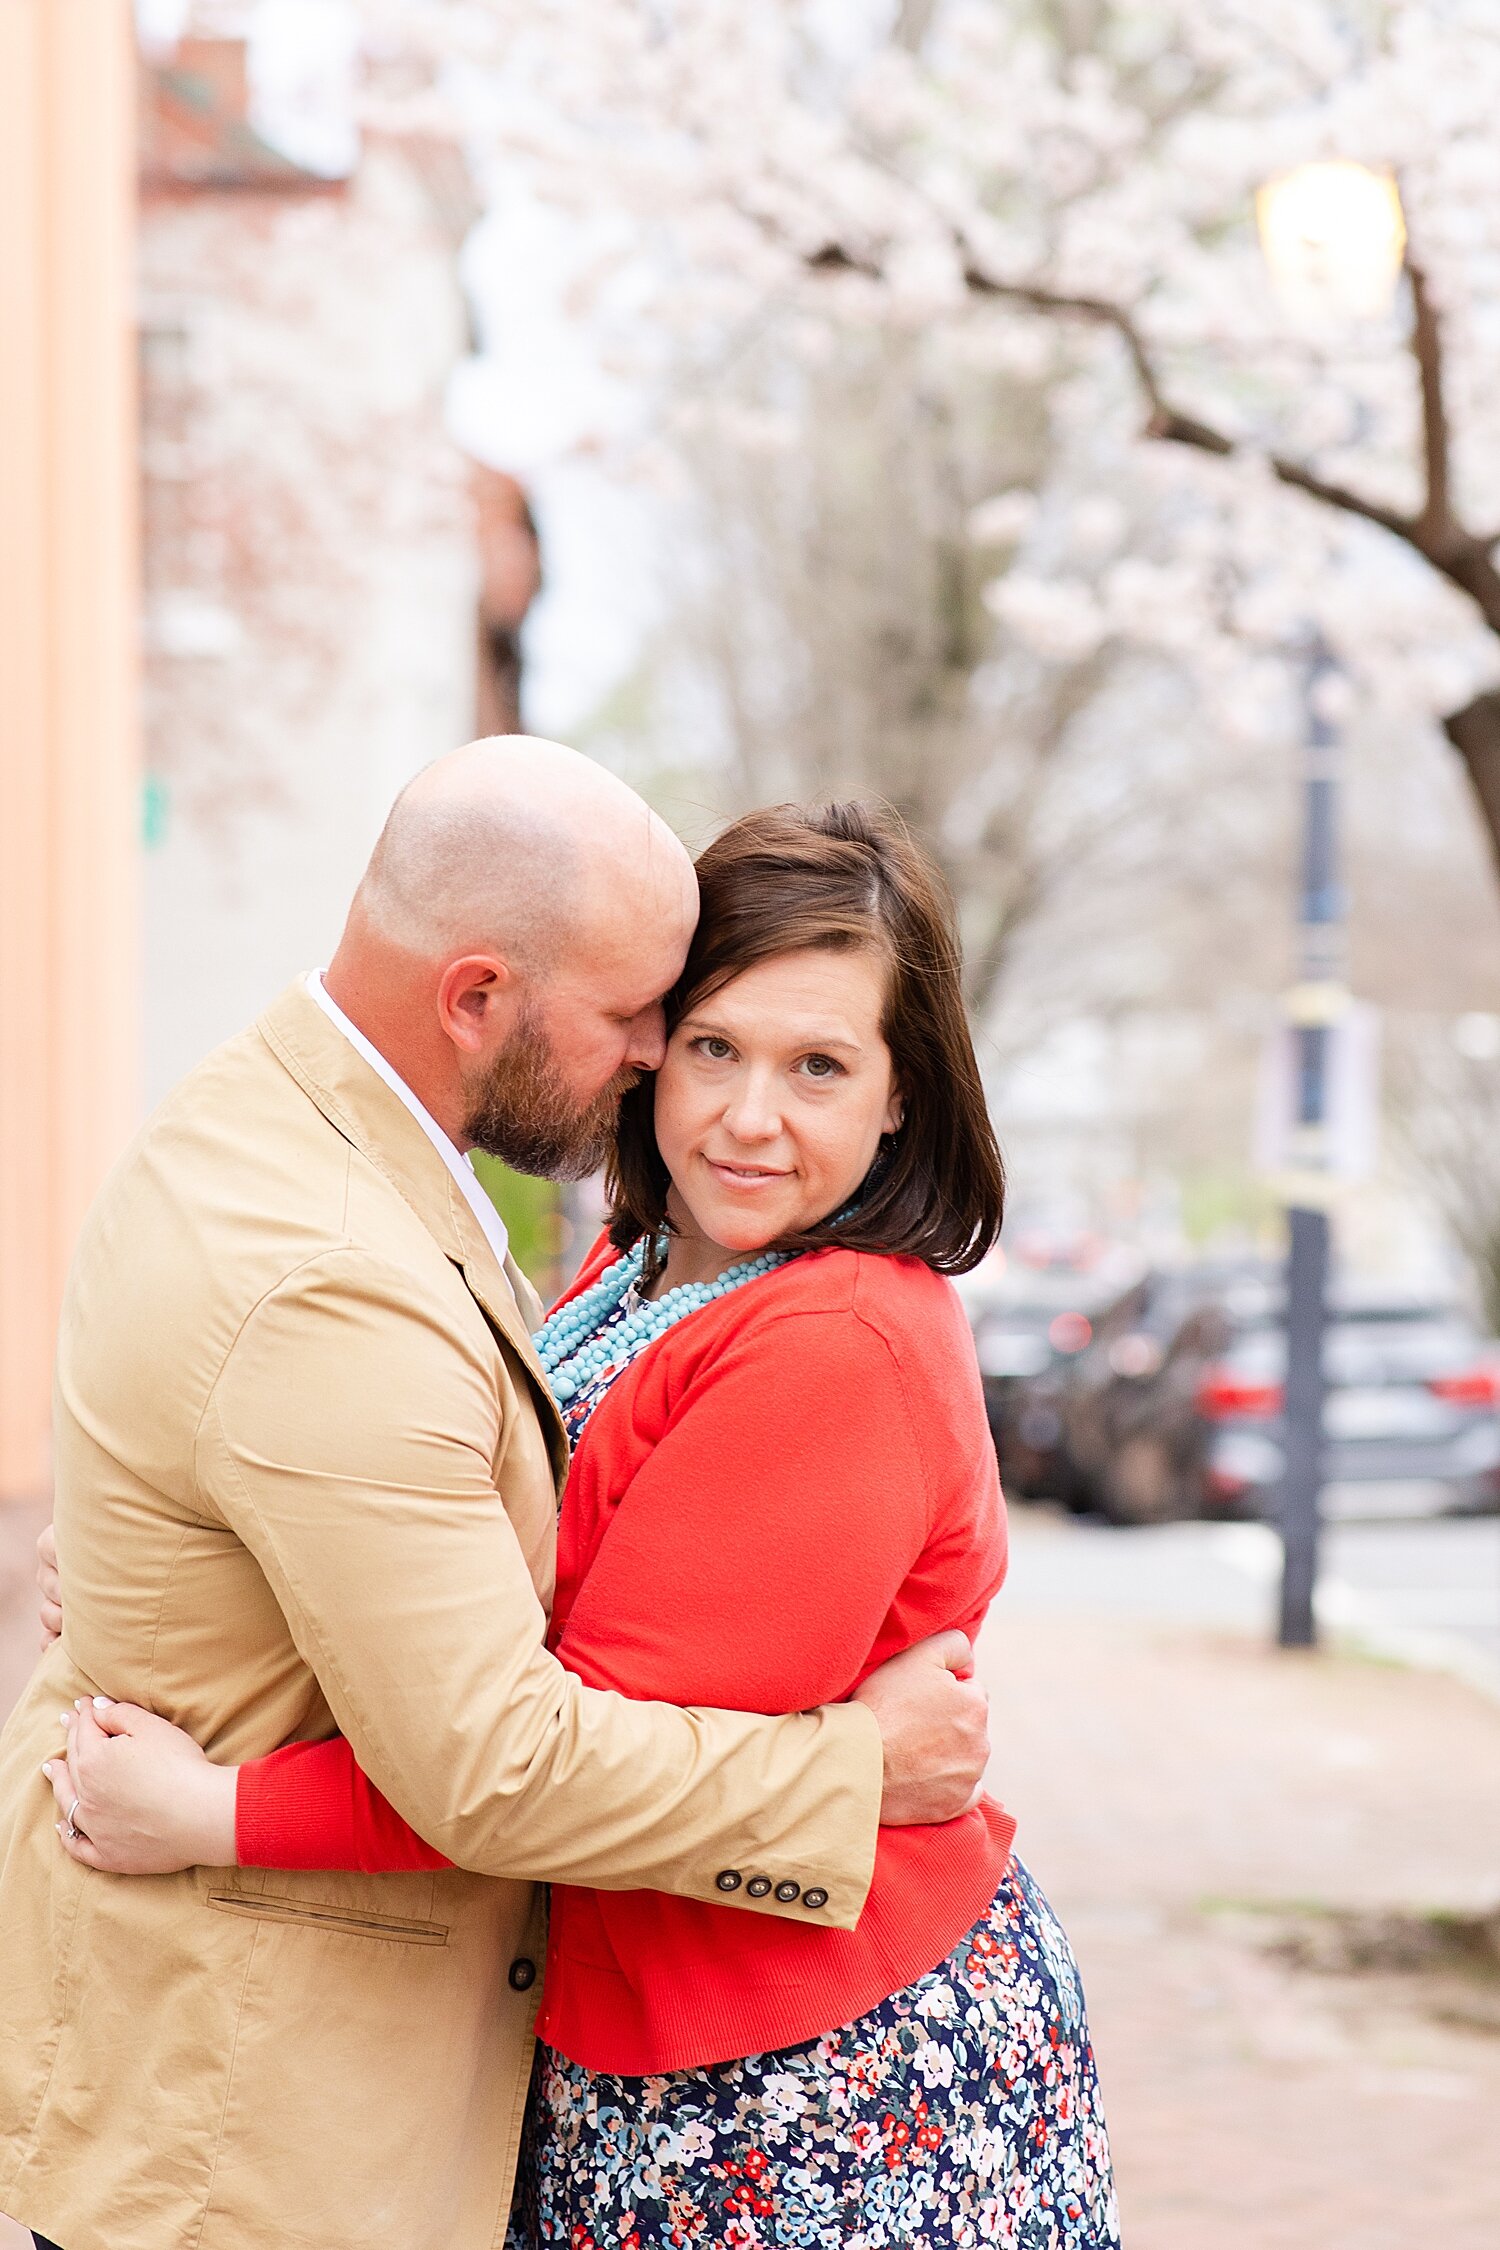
(520,1110)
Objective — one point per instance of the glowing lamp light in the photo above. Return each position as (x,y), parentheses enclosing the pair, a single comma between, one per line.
(1334,238)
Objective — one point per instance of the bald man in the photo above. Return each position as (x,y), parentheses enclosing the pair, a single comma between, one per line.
(307,1475)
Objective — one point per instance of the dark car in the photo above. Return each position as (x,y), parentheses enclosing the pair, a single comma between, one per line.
(1130,1441)
(1175,1409)
(1031,1317)
(1411,1423)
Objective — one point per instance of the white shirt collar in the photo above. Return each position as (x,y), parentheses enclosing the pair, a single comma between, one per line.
(453,1156)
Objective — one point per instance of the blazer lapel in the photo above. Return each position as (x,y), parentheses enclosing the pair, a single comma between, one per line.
(494,1291)
(360,1105)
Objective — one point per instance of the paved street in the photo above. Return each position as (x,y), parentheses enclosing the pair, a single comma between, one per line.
(1431,1589)
(1426,1592)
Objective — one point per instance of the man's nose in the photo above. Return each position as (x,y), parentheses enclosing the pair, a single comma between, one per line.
(648,1039)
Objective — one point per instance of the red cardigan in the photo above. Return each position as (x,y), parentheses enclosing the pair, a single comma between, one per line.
(783,1491)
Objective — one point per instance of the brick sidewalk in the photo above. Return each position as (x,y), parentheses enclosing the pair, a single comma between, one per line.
(1172,1790)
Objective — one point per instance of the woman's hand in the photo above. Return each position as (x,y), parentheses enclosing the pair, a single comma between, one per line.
(139,1793)
(49,1585)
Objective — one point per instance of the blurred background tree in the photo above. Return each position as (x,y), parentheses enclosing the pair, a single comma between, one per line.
(1446,1105)
(837,625)
(956,165)
(882,315)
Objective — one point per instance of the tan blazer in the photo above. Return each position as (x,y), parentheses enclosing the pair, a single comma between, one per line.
(306,1478)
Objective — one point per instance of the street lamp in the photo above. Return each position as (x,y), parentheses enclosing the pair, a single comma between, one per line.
(1334,237)
(1334,240)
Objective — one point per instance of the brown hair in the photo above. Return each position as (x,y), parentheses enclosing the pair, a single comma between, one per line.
(843,877)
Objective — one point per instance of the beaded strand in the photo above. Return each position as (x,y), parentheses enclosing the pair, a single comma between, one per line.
(570,1346)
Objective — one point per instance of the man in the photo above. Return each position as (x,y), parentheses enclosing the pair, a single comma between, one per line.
(307,1472)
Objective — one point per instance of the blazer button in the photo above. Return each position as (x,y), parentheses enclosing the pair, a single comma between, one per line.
(759,1886)
(522,1975)
(730,1880)
(814,1898)
(787,1891)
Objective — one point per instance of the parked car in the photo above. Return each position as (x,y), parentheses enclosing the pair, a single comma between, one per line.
(1175,1408)
(1130,1443)
(1411,1423)
(1030,1319)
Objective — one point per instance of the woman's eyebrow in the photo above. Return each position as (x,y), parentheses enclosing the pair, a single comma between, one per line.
(819,1035)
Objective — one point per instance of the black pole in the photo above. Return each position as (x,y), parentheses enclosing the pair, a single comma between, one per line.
(1320,919)
(1302,1480)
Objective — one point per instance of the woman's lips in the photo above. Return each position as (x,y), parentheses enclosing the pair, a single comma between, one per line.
(743,1175)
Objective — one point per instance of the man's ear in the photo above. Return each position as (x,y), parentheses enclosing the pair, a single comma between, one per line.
(477,996)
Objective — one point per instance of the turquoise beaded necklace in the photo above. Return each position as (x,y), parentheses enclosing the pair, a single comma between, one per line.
(570,1345)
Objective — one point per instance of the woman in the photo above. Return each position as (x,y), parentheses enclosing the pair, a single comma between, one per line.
(782,1475)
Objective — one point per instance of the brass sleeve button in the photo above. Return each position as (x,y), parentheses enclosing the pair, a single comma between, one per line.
(730,1879)
(787,1891)
(759,1886)
(814,1898)
(522,1975)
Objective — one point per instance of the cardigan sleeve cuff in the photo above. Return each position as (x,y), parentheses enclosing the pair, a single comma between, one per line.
(309,1806)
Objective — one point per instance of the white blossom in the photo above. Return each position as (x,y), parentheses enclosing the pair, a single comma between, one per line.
(1058,617)
(1000,521)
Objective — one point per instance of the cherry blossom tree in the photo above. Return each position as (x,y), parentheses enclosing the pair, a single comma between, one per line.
(1068,185)
(831,629)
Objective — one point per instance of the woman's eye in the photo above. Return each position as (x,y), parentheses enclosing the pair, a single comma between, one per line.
(822,1066)
(716,1050)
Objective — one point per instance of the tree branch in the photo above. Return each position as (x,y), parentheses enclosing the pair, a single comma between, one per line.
(1166,421)
(912,24)
(1456,554)
(1427,350)
(1462,557)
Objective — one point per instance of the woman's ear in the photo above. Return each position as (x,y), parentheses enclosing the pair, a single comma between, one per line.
(895,1116)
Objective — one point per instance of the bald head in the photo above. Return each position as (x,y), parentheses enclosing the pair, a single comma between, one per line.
(510,846)
(507,950)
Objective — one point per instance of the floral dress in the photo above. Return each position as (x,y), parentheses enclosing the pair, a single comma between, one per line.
(961,2112)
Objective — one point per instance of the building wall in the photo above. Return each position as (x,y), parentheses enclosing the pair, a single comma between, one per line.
(69,774)
(310,572)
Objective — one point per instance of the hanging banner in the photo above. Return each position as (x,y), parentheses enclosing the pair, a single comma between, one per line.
(1348,1147)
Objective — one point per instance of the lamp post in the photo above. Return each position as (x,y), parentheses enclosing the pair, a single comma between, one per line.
(1314,1006)
(1334,238)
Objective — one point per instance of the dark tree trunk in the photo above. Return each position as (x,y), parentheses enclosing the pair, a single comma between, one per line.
(1475,734)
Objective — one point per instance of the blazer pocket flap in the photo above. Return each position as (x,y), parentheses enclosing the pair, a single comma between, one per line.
(268,1906)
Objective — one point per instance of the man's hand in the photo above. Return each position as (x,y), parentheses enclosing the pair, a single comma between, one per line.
(934,1722)
(49,1585)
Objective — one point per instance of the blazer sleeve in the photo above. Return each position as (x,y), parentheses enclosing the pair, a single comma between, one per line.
(350,1442)
(759,1552)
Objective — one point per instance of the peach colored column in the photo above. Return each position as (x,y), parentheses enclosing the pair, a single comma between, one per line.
(69,753)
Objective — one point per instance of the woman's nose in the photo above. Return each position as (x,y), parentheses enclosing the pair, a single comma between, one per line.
(752,1114)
